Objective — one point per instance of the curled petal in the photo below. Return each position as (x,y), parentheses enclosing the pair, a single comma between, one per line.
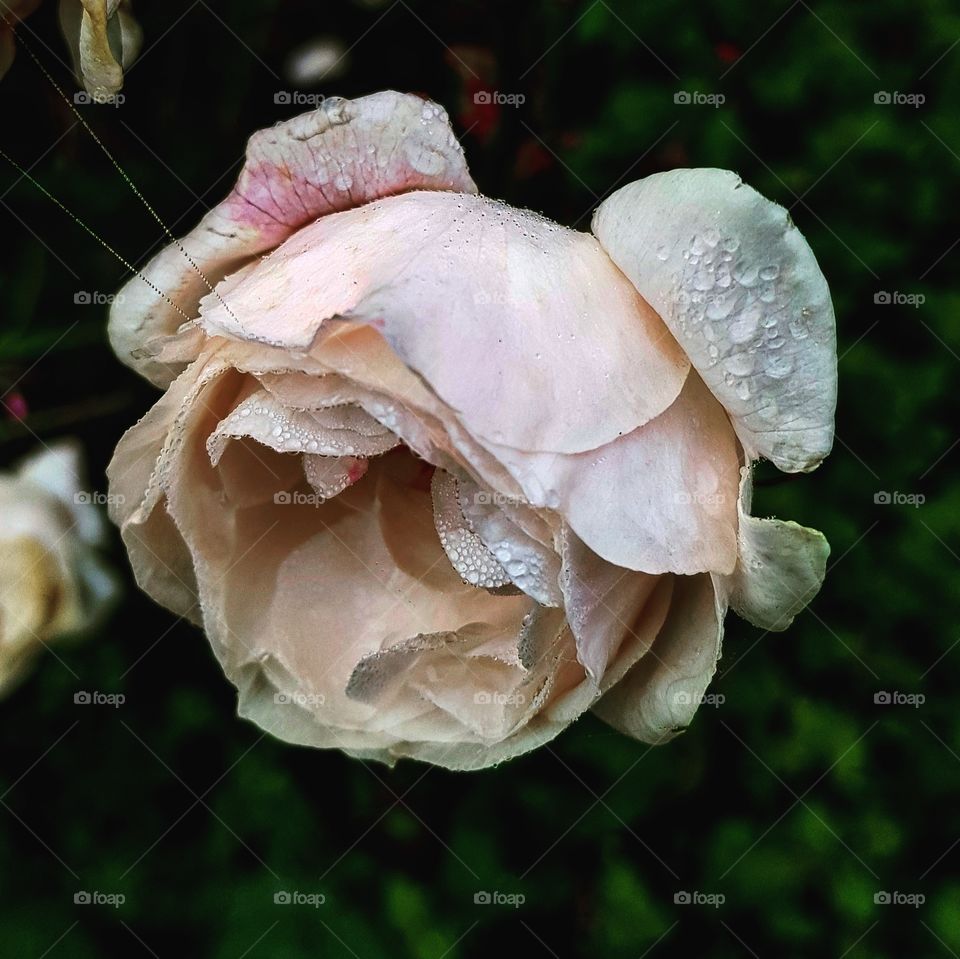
(739,287)
(780,568)
(659,696)
(261,417)
(343,154)
(602,602)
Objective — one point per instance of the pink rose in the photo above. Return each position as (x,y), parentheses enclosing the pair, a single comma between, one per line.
(437,475)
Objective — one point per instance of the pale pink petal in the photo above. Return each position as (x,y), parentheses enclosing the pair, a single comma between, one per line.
(343,154)
(492,306)
(261,417)
(739,287)
(660,694)
(602,602)
(659,499)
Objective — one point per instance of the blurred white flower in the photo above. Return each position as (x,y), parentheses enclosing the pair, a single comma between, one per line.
(53,582)
(323,58)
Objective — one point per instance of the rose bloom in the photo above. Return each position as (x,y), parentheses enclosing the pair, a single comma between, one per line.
(438,475)
(52,581)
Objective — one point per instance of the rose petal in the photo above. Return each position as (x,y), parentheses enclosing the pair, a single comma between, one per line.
(659,696)
(530,564)
(780,568)
(468,555)
(264,419)
(602,602)
(490,305)
(343,154)
(659,499)
(739,287)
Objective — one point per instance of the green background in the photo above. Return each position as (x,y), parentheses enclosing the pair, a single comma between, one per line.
(798,798)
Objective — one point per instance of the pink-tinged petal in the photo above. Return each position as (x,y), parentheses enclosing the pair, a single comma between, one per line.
(660,499)
(602,602)
(658,697)
(780,568)
(341,155)
(330,475)
(490,305)
(739,287)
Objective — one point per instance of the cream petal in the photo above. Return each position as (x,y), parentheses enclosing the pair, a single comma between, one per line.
(488,304)
(330,475)
(567,696)
(305,592)
(104,39)
(739,287)
(659,499)
(780,568)
(263,418)
(659,696)
(601,601)
(341,155)
(138,474)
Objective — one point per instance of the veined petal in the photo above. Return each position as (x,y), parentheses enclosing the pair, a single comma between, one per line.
(341,155)
(741,290)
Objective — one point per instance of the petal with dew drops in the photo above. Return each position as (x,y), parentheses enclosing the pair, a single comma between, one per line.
(780,568)
(658,697)
(341,155)
(740,288)
(485,302)
(467,553)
